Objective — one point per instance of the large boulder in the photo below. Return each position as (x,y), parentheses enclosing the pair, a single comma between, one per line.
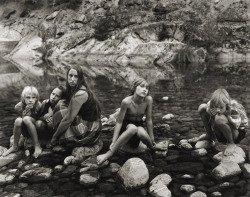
(133,174)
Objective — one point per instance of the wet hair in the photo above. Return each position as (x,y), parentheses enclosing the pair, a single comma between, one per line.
(220,97)
(29,90)
(138,81)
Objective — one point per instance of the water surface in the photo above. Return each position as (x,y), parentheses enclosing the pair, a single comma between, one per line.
(191,85)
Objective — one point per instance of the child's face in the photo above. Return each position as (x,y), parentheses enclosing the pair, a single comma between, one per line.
(30,99)
(72,78)
(220,108)
(55,96)
(142,89)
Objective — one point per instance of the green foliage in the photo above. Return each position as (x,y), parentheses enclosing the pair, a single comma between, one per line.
(104,26)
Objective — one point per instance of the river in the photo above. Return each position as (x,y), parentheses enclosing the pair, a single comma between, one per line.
(192,85)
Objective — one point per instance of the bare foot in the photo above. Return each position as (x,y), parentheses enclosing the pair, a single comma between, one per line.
(38,151)
(229,150)
(12,149)
(102,158)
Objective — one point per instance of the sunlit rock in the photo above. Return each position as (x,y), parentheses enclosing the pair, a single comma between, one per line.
(37,175)
(238,156)
(186,146)
(205,144)
(187,188)
(199,152)
(225,170)
(68,160)
(31,166)
(58,168)
(198,194)
(6,178)
(26,55)
(165,98)
(168,117)
(10,158)
(183,141)
(159,190)
(89,178)
(9,34)
(164,178)
(133,174)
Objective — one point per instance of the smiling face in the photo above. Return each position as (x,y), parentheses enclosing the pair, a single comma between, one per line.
(142,89)
(55,95)
(73,78)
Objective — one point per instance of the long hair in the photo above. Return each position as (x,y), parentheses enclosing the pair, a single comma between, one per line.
(220,96)
(138,81)
(30,90)
(81,81)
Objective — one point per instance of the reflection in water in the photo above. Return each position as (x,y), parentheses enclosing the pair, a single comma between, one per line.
(191,85)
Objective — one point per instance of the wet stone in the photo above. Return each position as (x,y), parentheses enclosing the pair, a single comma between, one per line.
(37,175)
(133,174)
(89,178)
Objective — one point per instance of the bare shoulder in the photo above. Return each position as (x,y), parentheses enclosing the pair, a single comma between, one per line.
(127,100)
(149,99)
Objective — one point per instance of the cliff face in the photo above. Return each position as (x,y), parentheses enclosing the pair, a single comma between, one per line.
(125,32)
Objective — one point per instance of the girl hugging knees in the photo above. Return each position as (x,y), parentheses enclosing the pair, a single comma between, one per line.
(224,119)
(28,109)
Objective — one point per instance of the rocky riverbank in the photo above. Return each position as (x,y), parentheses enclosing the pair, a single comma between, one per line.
(187,168)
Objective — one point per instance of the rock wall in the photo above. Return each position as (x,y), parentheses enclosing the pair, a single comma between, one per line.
(127,32)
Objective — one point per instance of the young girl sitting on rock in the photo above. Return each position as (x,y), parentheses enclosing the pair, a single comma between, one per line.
(129,126)
(28,109)
(224,119)
(44,124)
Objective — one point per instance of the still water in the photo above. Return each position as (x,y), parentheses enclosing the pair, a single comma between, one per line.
(191,85)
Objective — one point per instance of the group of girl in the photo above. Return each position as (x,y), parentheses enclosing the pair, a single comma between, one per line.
(73,117)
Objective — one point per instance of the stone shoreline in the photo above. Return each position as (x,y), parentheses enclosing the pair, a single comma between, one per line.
(186,169)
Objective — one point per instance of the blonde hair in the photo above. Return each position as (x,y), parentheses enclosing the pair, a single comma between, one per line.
(29,90)
(220,96)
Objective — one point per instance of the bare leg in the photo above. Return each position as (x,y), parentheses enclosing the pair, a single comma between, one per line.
(40,125)
(17,134)
(30,123)
(205,117)
(222,124)
(122,140)
(144,137)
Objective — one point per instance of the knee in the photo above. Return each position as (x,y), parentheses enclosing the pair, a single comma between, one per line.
(132,129)
(27,120)
(141,132)
(202,108)
(18,122)
(39,124)
(220,120)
